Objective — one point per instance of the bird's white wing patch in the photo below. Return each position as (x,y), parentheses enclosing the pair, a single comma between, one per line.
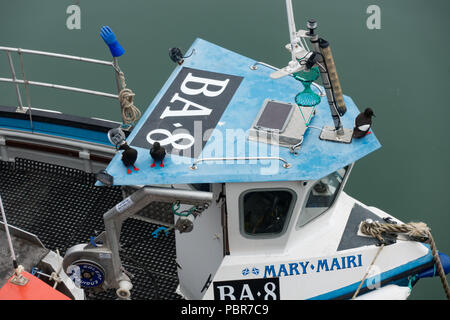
(364,127)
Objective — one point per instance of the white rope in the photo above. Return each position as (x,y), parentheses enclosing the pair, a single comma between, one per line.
(130,113)
(55,275)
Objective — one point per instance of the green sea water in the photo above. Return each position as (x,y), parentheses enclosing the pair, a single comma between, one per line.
(400,70)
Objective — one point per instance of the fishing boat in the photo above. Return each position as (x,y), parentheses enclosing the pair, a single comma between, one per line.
(230,186)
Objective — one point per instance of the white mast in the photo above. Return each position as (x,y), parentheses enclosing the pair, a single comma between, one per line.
(292,30)
(295,47)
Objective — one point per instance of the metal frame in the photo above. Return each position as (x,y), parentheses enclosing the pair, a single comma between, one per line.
(107,254)
(338,193)
(114,64)
(254,67)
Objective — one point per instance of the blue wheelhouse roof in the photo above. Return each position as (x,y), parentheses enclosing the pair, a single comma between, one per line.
(218,114)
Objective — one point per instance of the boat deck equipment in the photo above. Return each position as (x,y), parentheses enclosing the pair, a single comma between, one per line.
(210,116)
(32,192)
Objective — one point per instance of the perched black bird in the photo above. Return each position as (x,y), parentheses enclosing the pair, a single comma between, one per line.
(362,123)
(129,156)
(158,153)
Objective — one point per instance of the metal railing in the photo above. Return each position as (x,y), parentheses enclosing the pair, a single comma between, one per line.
(26,82)
(286,164)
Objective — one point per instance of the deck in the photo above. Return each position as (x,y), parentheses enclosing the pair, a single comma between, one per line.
(63,207)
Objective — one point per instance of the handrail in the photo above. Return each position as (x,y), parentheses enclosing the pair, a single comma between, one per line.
(57,86)
(286,164)
(56,55)
(26,82)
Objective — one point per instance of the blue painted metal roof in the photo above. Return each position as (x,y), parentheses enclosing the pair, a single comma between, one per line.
(316,159)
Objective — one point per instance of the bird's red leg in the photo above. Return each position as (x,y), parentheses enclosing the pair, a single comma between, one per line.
(135,168)
(128,170)
(153,165)
(161,164)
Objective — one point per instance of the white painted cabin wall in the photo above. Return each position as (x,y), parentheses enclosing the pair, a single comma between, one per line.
(200,252)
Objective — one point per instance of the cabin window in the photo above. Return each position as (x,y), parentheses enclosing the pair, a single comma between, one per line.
(321,196)
(266,212)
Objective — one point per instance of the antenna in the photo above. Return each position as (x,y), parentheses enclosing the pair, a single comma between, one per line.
(298,51)
(18,278)
(292,29)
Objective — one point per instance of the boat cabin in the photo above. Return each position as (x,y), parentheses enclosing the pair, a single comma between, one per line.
(231,130)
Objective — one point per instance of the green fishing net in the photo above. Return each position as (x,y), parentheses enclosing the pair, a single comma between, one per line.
(307,97)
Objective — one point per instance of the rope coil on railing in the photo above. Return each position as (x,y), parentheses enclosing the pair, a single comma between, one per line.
(130,113)
(417,231)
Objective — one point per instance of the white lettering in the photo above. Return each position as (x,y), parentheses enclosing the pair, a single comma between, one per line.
(74,20)
(246,293)
(206,82)
(374,20)
(172,139)
(223,294)
(185,112)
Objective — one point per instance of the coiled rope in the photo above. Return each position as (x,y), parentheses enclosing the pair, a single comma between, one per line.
(130,113)
(417,231)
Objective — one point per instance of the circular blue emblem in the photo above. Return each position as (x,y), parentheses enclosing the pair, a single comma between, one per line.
(255,271)
(245,272)
(87,274)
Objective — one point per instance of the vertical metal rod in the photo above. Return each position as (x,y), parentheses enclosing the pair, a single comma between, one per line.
(117,69)
(292,31)
(8,236)
(13,73)
(27,94)
(314,38)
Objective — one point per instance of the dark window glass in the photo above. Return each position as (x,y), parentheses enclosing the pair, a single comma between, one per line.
(265,212)
(322,196)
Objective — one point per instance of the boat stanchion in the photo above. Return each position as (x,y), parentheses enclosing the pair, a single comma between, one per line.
(130,114)
(18,278)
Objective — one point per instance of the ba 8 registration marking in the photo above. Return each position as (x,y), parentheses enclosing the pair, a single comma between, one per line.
(252,289)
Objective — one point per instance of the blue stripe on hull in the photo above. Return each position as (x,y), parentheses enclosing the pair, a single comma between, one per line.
(56,130)
(350,289)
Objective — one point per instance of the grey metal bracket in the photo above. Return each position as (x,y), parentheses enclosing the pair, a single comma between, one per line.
(331,134)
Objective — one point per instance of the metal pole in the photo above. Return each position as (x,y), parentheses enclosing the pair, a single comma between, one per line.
(8,236)
(314,38)
(292,31)
(117,69)
(57,55)
(27,94)
(13,73)
(114,218)
(18,278)
(57,86)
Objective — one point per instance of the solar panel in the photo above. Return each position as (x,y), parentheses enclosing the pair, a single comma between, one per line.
(274,116)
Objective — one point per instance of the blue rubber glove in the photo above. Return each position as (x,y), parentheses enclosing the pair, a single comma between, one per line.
(110,39)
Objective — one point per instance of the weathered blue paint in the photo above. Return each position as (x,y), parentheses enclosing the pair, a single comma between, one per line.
(317,158)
